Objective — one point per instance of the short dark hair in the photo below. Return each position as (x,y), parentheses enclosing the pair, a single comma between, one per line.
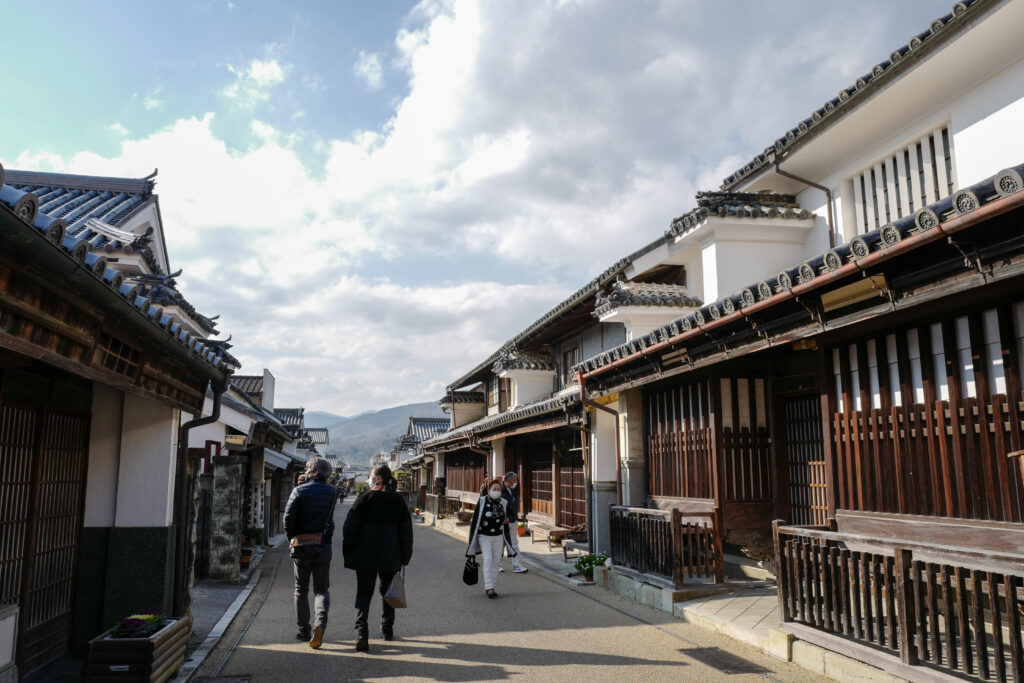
(509,475)
(318,468)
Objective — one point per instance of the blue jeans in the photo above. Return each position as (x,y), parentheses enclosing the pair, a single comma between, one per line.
(318,567)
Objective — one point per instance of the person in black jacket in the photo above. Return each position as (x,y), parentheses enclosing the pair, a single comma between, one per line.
(377,543)
(309,511)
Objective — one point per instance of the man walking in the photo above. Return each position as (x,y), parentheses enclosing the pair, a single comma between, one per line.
(309,526)
(508,487)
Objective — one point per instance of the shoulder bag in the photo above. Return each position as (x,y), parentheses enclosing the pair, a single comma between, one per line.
(303,540)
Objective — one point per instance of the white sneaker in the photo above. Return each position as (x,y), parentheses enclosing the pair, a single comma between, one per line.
(520,569)
(501,569)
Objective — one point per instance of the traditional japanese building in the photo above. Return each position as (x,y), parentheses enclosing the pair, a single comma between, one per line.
(862,384)
(101,364)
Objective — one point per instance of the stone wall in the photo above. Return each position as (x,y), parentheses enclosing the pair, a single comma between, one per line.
(230,476)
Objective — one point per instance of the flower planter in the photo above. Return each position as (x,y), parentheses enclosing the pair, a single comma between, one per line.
(155,659)
(464,515)
(588,577)
(521,531)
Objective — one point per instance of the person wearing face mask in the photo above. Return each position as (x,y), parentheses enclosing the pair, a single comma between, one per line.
(377,543)
(508,492)
(490,533)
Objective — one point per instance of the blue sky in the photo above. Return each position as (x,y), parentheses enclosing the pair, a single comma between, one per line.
(375,195)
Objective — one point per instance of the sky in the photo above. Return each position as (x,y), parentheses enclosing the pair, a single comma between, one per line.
(374,196)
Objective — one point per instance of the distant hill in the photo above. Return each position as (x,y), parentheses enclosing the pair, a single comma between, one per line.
(359,438)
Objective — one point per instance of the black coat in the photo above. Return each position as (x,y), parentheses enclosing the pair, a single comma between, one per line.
(378,533)
(513,507)
(307,510)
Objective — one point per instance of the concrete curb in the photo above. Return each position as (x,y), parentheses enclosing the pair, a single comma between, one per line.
(192,664)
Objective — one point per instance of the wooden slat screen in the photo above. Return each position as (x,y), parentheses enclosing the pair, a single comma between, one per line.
(678,433)
(744,441)
(542,495)
(927,418)
(18,433)
(805,460)
(572,493)
(465,472)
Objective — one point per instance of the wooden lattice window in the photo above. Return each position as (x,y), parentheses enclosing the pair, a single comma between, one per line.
(115,355)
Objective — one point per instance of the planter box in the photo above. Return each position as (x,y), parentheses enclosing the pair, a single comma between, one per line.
(153,659)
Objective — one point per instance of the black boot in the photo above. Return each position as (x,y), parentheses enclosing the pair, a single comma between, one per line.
(387,622)
(362,630)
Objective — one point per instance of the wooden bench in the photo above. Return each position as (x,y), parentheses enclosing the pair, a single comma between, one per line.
(548,532)
(580,546)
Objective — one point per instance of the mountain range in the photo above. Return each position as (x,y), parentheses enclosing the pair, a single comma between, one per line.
(360,437)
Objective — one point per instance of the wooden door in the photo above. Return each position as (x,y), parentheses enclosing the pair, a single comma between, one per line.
(42,478)
(542,500)
(805,460)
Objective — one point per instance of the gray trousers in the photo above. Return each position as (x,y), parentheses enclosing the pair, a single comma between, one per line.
(318,567)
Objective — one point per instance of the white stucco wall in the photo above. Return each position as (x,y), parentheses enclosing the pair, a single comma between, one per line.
(496,461)
(104,455)
(602,446)
(529,385)
(145,485)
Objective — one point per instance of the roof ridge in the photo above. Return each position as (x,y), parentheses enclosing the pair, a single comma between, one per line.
(898,62)
(81,182)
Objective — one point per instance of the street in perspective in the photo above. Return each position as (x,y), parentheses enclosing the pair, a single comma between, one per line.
(454,340)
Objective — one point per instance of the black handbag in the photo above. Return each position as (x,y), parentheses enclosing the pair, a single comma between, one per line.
(471,573)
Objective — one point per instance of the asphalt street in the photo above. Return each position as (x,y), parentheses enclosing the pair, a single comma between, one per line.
(540,628)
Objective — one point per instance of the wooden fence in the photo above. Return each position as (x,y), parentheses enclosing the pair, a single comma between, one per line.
(442,506)
(667,544)
(910,606)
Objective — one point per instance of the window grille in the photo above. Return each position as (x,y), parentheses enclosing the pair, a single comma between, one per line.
(115,355)
(914,176)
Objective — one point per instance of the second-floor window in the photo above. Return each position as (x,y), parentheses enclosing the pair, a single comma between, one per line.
(908,178)
(499,393)
(570,357)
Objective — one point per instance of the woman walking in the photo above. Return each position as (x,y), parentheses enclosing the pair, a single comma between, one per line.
(377,543)
(490,533)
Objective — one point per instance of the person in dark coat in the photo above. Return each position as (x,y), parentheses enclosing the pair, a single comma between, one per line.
(308,511)
(377,543)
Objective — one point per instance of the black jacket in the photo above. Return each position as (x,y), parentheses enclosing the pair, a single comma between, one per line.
(378,533)
(510,495)
(307,510)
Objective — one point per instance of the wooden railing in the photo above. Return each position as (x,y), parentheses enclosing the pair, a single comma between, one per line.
(442,506)
(668,544)
(912,604)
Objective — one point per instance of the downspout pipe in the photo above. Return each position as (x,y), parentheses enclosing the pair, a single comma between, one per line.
(828,197)
(618,437)
(181,516)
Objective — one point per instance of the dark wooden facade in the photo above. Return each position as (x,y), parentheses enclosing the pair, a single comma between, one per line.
(552,480)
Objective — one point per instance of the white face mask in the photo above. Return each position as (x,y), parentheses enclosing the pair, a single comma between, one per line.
(495,494)
(513,486)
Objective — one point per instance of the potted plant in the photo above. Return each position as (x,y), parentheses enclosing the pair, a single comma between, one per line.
(521,529)
(464,516)
(255,536)
(586,562)
(143,647)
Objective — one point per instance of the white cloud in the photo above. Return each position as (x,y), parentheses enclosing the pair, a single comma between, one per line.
(117,128)
(152,99)
(369,70)
(542,141)
(254,81)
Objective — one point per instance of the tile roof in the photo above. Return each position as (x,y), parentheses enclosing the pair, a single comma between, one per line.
(463,397)
(319,435)
(423,428)
(1003,184)
(643,294)
(900,60)
(249,384)
(92,208)
(760,205)
(523,360)
(290,417)
(163,290)
(552,404)
(25,205)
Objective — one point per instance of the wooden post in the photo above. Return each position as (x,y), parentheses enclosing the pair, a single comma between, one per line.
(783,572)
(905,604)
(677,547)
(716,526)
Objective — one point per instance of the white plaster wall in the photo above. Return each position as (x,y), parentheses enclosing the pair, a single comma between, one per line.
(740,264)
(104,453)
(529,385)
(137,224)
(602,446)
(709,271)
(145,490)
(467,412)
(988,126)
(439,466)
(496,464)
(269,383)
(198,436)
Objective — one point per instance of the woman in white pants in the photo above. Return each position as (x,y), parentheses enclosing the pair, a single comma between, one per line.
(490,533)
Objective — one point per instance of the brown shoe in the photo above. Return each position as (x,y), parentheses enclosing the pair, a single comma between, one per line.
(318,638)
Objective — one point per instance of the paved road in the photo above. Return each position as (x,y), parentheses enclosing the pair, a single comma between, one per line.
(540,628)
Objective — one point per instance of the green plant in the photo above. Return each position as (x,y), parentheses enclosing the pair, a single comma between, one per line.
(521,524)
(255,535)
(586,562)
(140,625)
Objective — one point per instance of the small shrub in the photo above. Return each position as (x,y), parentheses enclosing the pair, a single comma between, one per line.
(585,563)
